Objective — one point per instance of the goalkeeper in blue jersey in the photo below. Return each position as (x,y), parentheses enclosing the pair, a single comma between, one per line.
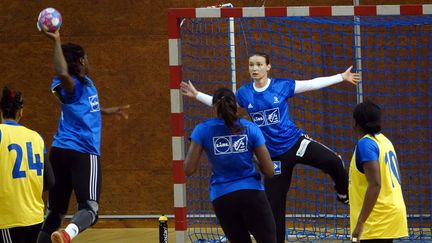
(265,100)
(236,190)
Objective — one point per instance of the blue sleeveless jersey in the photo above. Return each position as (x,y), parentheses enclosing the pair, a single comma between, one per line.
(270,112)
(80,121)
(230,155)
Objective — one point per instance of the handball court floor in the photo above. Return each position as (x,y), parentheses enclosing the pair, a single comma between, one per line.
(124,231)
(133,235)
(122,235)
(131,231)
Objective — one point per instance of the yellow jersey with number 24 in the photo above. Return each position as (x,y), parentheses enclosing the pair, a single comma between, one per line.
(21,176)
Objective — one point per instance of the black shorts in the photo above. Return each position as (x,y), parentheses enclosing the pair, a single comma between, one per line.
(77,171)
(24,234)
(244,212)
(378,241)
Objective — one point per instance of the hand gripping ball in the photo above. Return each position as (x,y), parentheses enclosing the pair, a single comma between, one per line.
(50,18)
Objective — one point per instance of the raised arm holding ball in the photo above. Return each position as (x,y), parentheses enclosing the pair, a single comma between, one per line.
(75,151)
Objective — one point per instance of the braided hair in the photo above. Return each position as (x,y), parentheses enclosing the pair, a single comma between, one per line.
(226,106)
(11,102)
(73,54)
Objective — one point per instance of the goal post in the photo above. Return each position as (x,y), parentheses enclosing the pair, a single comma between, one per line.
(306,42)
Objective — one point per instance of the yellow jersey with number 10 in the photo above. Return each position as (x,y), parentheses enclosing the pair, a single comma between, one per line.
(388,217)
(21,176)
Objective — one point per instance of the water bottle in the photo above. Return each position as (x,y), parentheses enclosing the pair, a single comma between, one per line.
(163,229)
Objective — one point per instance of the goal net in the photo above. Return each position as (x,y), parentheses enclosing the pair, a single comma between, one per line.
(389,45)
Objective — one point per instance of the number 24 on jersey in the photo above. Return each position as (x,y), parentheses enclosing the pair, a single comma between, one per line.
(33,163)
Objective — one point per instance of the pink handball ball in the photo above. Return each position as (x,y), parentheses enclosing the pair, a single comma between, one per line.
(50,18)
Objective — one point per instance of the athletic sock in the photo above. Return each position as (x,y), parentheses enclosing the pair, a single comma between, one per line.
(72,230)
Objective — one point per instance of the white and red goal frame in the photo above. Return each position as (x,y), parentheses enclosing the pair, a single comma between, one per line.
(175,70)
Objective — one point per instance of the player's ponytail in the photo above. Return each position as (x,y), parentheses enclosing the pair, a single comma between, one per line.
(226,106)
(368,116)
(73,53)
(11,102)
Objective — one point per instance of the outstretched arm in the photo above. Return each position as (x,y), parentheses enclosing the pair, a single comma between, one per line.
(60,64)
(187,89)
(119,111)
(321,82)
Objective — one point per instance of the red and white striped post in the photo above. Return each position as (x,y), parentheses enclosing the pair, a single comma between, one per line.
(177,118)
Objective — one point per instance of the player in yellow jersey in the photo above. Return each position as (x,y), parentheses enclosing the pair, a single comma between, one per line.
(24,174)
(377,208)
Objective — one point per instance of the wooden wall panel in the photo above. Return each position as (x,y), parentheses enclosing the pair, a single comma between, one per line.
(126,42)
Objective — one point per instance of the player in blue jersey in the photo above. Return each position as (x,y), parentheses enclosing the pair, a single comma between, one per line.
(265,100)
(76,146)
(236,190)
(24,174)
(377,207)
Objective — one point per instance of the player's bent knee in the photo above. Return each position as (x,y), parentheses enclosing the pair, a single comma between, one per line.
(93,208)
(333,163)
(87,214)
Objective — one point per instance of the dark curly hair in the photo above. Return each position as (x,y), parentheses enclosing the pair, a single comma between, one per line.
(368,116)
(73,53)
(11,102)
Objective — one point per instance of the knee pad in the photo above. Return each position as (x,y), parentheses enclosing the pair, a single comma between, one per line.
(52,222)
(91,207)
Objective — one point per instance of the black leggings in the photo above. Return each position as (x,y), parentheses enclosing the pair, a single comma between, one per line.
(26,234)
(73,170)
(243,212)
(378,241)
(309,152)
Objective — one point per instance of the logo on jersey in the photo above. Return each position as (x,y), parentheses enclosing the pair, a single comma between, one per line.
(250,106)
(277,167)
(273,116)
(266,117)
(258,118)
(94,103)
(230,144)
(275,100)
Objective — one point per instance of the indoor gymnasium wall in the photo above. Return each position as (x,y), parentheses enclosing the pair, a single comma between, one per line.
(126,43)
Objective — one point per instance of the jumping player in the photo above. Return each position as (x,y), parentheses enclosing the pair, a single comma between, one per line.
(75,152)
